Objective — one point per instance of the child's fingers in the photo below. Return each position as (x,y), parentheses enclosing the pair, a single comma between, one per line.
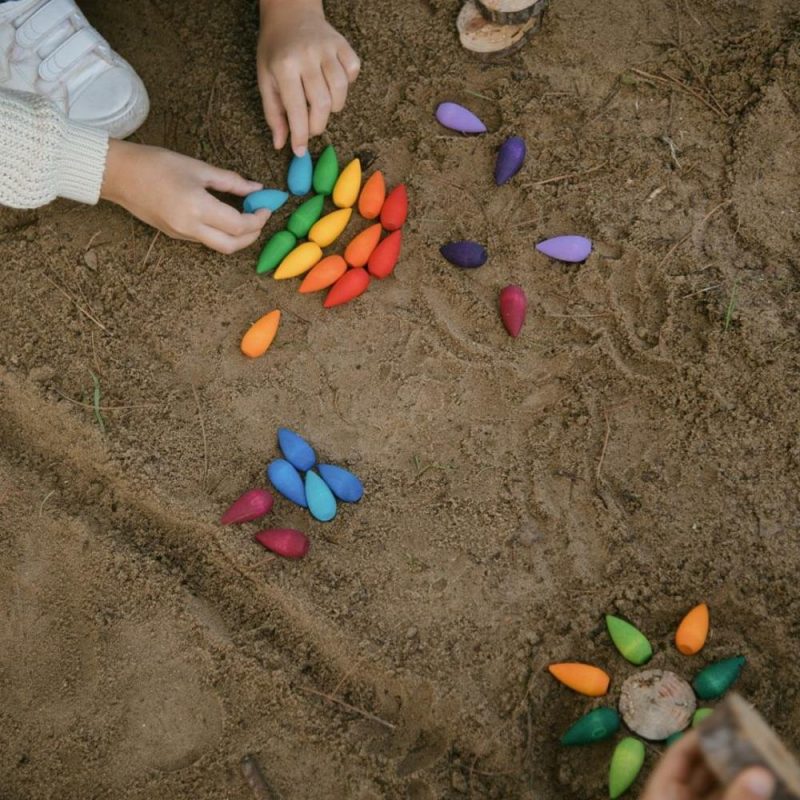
(336,78)
(223,242)
(350,61)
(319,100)
(274,113)
(224,180)
(220,215)
(294,101)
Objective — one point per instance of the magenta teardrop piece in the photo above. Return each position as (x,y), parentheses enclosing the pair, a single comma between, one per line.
(286,542)
(510,158)
(566,248)
(458,118)
(251,505)
(513,307)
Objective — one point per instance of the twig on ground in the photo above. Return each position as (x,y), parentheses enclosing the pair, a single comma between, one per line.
(366,714)
(96,403)
(102,408)
(203,433)
(150,249)
(44,500)
(605,447)
(667,79)
(566,176)
(680,241)
(80,308)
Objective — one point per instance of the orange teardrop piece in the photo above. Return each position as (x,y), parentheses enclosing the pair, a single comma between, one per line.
(372,196)
(693,631)
(324,274)
(395,209)
(259,336)
(359,250)
(384,257)
(353,283)
(582,678)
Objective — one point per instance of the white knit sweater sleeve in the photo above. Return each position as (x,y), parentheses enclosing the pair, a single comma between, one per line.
(43,155)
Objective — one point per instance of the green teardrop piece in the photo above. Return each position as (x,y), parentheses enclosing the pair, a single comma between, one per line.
(630,642)
(674,737)
(326,171)
(716,679)
(594,727)
(275,250)
(305,216)
(626,764)
(700,715)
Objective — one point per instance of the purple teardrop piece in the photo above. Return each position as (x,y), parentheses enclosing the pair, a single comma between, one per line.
(458,118)
(566,248)
(465,254)
(509,160)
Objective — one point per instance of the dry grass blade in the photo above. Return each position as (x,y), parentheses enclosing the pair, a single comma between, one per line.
(80,308)
(331,699)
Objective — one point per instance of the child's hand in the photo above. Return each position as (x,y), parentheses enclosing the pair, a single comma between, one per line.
(682,774)
(304,70)
(170,192)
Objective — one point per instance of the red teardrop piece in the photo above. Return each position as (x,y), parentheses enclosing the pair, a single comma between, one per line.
(251,505)
(384,257)
(395,208)
(353,283)
(513,305)
(286,542)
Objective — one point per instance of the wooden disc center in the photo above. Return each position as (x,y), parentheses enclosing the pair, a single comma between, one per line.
(656,703)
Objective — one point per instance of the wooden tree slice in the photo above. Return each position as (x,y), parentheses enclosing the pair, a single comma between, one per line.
(511,12)
(736,736)
(656,703)
(486,38)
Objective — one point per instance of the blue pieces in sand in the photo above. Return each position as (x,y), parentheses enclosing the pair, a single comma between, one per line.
(342,483)
(300,174)
(296,450)
(286,479)
(271,199)
(321,502)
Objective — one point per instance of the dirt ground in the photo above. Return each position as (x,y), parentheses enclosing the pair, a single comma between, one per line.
(636,450)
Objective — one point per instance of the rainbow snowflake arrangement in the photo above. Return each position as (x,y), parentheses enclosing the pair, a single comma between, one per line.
(657,705)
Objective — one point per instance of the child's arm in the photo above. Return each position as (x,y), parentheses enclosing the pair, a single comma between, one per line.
(304,70)
(43,156)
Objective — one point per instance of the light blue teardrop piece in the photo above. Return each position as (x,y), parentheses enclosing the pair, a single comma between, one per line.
(321,502)
(300,174)
(271,199)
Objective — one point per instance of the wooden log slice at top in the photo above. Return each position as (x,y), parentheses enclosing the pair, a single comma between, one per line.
(736,736)
(511,12)
(486,38)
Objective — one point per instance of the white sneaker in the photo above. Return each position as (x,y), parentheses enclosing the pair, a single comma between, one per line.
(48,47)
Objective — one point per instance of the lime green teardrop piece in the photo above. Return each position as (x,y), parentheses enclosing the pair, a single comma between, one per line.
(630,641)
(326,171)
(626,764)
(305,216)
(594,727)
(275,250)
(700,715)
(716,679)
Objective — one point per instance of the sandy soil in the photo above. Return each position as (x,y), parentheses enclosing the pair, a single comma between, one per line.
(636,450)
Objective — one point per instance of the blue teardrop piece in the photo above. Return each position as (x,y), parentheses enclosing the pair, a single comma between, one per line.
(271,199)
(342,483)
(296,450)
(286,479)
(301,172)
(321,502)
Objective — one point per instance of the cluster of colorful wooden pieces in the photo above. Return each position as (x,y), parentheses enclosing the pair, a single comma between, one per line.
(366,256)
(308,484)
(711,683)
(253,505)
(467,254)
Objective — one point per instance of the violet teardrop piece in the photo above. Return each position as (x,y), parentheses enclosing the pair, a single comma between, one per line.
(464,254)
(566,248)
(251,505)
(458,118)
(510,158)
(513,307)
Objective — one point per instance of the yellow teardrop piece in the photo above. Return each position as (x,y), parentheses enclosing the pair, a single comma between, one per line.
(300,260)
(327,230)
(345,193)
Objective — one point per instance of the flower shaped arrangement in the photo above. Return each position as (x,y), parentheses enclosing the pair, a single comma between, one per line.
(656,705)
